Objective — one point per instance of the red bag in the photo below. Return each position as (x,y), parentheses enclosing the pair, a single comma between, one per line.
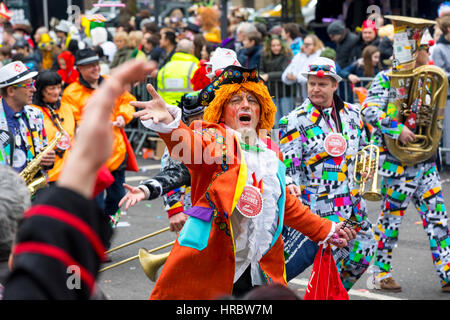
(132,164)
(325,282)
(104,180)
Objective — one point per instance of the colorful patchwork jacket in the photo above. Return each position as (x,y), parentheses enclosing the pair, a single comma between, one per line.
(327,183)
(379,113)
(35,137)
(201,264)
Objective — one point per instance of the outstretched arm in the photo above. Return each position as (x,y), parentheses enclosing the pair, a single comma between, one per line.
(318,229)
(172,178)
(65,228)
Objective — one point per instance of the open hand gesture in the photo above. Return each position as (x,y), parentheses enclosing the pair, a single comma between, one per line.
(133,196)
(154,109)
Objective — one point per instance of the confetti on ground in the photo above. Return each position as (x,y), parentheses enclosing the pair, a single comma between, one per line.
(159,217)
(148,205)
(418,222)
(123,224)
(362,290)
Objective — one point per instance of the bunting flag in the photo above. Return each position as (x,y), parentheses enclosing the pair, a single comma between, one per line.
(4,12)
(114,219)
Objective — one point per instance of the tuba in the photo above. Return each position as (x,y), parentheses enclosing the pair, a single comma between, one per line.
(34,167)
(417,96)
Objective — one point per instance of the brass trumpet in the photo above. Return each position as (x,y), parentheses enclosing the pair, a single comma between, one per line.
(366,168)
(137,256)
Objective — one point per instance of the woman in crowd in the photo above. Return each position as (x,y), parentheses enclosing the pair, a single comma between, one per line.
(123,51)
(311,49)
(67,70)
(47,99)
(135,45)
(274,59)
(199,79)
(290,32)
(366,66)
(208,19)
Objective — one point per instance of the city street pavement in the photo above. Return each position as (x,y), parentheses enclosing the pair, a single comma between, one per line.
(413,268)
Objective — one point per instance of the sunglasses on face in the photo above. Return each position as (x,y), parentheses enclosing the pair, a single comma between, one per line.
(25,85)
(46,44)
(316,67)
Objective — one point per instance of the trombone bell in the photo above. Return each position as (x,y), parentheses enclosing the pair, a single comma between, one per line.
(150,263)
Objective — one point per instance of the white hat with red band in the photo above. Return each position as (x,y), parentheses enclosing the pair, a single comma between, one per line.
(220,59)
(15,72)
(321,67)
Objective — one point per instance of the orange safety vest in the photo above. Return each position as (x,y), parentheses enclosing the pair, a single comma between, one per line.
(76,95)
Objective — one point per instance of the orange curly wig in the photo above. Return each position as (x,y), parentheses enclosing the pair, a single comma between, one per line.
(224,93)
(209,18)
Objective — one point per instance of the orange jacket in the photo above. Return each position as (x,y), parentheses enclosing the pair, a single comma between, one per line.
(77,94)
(65,113)
(201,264)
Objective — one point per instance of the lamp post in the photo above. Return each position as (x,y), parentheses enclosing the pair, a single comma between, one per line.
(224,19)
(45,9)
(156,11)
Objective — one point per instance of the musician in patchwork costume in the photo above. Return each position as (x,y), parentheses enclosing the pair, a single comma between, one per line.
(22,133)
(231,241)
(319,141)
(401,184)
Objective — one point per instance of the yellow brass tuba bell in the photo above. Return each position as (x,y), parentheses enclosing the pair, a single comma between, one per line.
(150,263)
(417,96)
(366,168)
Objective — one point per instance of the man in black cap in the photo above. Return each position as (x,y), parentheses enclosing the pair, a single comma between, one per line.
(77,95)
(344,39)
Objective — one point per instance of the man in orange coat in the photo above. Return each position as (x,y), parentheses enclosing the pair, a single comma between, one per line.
(231,241)
(76,95)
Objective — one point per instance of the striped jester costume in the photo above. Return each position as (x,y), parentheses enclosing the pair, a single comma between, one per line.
(327,182)
(419,183)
